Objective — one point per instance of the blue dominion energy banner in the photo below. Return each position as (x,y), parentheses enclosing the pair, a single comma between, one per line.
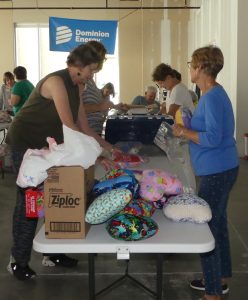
(66,34)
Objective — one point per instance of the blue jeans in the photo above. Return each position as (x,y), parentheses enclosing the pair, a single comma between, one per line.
(215,189)
(23,228)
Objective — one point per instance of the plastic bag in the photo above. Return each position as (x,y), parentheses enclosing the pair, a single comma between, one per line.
(124,160)
(78,149)
(167,142)
(183,116)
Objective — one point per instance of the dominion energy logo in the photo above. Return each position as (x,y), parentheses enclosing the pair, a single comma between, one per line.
(64,34)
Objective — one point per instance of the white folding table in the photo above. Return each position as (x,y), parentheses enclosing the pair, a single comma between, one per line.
(172,237)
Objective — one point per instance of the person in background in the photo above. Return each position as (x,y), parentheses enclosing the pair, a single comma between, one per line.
(177,95)
(92,97)
(192,93)
(215,160)
(177,75)
(5,92)
(107,90)
(194,96)
(21,89)
(148,100)
(97,103)
(53,102)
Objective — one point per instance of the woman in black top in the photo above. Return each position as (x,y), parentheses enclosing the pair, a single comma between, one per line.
(54,102)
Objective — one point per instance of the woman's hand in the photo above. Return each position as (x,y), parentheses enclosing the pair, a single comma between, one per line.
(115,151)
(105,105)
(178,130)
(122,106)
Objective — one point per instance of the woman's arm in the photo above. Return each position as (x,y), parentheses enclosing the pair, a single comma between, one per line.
(102,106)
(53,88)
(84,127)
(14,100)
(173,109)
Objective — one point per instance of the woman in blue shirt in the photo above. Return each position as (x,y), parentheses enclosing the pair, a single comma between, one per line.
(215,160)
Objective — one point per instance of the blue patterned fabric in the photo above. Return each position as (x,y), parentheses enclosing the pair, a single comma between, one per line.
(187,208)
(139,207)
(125,182)
(131,228)
(107,205)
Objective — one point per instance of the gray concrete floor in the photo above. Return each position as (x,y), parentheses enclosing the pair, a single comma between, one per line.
(64,284)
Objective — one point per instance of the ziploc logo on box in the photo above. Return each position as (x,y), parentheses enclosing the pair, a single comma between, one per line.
(63,34)
(63,200)
(65,193)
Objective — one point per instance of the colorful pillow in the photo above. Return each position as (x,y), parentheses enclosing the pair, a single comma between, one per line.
(107,205)
(139,207)
(125,182)
(131,228)
(117,173)
(187,208)
(155,183)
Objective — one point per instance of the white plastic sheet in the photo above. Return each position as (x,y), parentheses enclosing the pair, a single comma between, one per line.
(78,149)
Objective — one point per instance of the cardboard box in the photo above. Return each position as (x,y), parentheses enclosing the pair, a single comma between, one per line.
(66,199)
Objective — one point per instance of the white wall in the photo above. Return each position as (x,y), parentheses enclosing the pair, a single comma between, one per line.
(175,37)
(242,69)
(224,23)
(7,62)
(216,23)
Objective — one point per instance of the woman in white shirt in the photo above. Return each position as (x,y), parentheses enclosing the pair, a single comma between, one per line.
(177,95)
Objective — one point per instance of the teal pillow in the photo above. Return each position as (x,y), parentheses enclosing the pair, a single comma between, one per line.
(107,205)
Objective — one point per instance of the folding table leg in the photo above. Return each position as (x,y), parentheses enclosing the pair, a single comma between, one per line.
(160,258)
(91,271)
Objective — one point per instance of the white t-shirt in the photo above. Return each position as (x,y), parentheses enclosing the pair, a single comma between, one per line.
(180,95)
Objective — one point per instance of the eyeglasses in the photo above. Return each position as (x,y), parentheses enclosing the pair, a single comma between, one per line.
(189,64)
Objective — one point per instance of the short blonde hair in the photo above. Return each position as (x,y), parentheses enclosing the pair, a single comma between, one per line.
(210,59)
